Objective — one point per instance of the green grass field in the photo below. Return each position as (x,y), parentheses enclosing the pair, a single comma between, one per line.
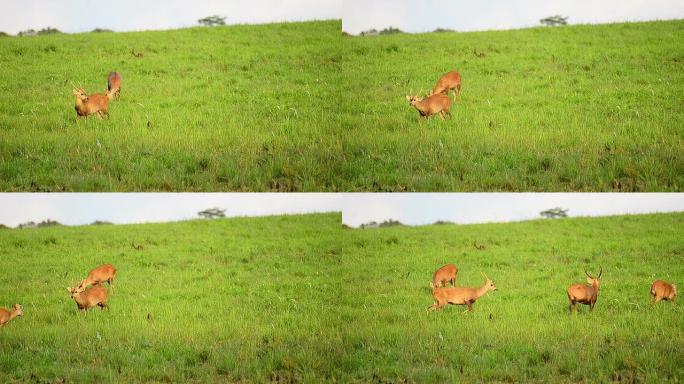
(201,301)
(211,109)
(299,299)
(522,332)
(576,108)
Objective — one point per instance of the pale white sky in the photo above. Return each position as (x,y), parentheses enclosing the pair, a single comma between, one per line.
(466,15)
(356,208)
(468,208)
(129,15)
(120,208)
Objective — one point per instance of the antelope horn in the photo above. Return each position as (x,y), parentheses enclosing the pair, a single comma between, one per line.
(585,271)
(600,272)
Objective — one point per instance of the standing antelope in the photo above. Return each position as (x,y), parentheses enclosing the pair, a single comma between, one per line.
(585,294)
(97,103)
(431,105)
(443,275)
(105,272)
(6,315)
(661,290)
(113,85)
(91,297)
(460,295)
(451,80)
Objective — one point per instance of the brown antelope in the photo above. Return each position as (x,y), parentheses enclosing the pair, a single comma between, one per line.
(451,80)
(113,85)
(585,294)
(91,297)
(6,315)
(105,272)
(443,275)
(431,105)
(661,290)
(97,103)
(460,295)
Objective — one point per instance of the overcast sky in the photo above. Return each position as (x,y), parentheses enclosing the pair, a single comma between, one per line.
(129,15)
(119,208)
(462,15)
(466,208)
(356,208)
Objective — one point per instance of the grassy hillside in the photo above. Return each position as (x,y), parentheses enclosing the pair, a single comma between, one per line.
(522,332)
(297,298)
(211,109)
(576,108)
(198,301)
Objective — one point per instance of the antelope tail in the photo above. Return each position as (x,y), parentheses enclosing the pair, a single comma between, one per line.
(111,76)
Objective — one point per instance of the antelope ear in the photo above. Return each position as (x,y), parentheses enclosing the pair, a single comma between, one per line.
(408,97)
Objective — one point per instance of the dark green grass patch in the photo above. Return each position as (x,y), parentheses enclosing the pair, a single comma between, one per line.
(576,108)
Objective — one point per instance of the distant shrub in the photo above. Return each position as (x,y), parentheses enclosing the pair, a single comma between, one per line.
(48,223)
(101,30)
(391,223)
(440,30)
(44,223)
(370,224)
(44,31)
(49,31)
(370,32)
(554,213)
(553,21)
(101,222)
(386,31)
(443,222)
(391,31)
(4,34)
(211,21)
(212,213)
(28,32)
(386,223)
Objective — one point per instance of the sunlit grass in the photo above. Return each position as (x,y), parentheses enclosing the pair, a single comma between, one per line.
(576,108)
(202,109)
(225,300)
(522,332)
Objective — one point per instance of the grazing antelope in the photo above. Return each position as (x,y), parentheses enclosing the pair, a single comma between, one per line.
(460,295)
(450,81)
(91,297)
(105,272)
(97,103)
(6,315)
(661,290)
(443,275)
(431,105)
(113,85)
(585,294)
